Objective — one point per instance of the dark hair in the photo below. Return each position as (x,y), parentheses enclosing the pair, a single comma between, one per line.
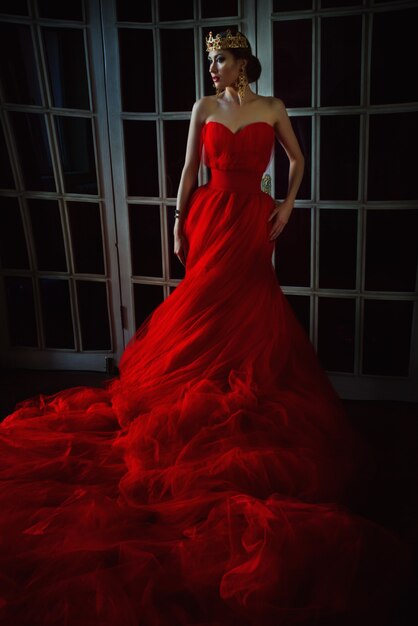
(253,67)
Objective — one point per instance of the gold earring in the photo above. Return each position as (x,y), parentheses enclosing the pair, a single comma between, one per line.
(241,84)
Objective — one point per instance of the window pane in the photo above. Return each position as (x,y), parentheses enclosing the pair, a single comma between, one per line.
(47,235)
(220,28)
(175,10)
(392,170)
(219,9)
(145,232)
(20,311)
(13,251)
(135,44)
(66,60)
(86,237)
(302,128)
(394,48)
(337,248)
(94,317)
(63,10)
(18,73)
(6,174)
(391,250)
(336,333)
(56,312)
(77,154)
(339,157)
(14,7)
(175,140)
(128,11)
(301,308)
(291,5)
(177,271)
(147,298)
(33,149)
(293,250)
(340,60)
(141,158)
(386,345)
(292,50)
(178,96)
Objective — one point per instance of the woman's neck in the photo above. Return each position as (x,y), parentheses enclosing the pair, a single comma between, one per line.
(231,95)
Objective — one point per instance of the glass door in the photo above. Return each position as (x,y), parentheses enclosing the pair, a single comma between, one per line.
(59,270)
(347,260)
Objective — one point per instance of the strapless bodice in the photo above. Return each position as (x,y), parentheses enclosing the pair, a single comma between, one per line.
(247,150)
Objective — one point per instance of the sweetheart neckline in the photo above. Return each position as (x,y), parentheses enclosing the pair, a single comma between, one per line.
(239,130)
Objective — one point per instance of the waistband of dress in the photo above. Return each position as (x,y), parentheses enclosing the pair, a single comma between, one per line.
(237,181)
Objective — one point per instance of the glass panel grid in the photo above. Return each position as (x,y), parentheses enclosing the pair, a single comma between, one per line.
(48,181)
(400,203)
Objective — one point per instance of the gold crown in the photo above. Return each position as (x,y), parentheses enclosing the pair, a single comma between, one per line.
(228,41)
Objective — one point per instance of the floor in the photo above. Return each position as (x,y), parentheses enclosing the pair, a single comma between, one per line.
(391,428)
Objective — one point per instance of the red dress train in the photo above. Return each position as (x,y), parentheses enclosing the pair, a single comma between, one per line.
(206,485)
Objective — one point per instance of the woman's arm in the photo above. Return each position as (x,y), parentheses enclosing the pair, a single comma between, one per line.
(287,138)
(188,179)
(190,170)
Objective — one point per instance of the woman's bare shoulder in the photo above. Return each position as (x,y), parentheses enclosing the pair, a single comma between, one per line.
(203,107)
(276,104)
(271,108)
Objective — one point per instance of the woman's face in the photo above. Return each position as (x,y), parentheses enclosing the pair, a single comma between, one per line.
(223,68)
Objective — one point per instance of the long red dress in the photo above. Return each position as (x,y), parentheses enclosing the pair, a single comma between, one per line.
(206,484)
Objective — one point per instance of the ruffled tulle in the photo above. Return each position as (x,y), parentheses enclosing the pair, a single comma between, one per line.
(208,483)
(217,510)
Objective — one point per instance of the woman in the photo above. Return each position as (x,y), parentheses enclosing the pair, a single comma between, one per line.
(232,69)
(206,484)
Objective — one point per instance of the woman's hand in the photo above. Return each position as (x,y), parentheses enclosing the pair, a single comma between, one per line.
(180,243)
(280,216)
